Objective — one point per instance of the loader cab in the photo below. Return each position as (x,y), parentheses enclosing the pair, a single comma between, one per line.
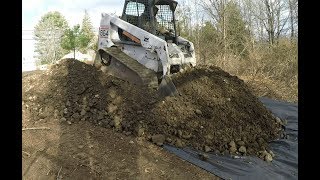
(154,16)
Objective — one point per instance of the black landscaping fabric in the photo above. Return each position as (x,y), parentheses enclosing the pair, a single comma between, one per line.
(283,166)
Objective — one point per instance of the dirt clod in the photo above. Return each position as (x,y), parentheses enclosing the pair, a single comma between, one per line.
(199,112)
(158,139)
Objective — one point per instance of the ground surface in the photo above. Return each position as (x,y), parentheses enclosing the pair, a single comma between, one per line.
(100,125)
(85,151)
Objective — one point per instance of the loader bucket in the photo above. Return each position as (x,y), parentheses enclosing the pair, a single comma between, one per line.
(167,88)
(118,69)
(124,67)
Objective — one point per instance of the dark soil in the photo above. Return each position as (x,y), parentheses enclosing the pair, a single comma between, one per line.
(228,112)
(214,110)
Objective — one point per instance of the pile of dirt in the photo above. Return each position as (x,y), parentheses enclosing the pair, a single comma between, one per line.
(214,111)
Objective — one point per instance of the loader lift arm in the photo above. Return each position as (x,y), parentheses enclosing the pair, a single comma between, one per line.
(149,41)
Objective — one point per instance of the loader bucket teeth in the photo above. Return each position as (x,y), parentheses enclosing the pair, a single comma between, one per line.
(167,88)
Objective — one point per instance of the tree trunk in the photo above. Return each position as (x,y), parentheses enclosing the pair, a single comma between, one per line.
(291,17)
(270,21)
(74,53)
(224,31)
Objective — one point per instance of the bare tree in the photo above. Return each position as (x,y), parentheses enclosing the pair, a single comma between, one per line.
(247,10)
(271,14)
(184,15)
(216,9)
(293,9)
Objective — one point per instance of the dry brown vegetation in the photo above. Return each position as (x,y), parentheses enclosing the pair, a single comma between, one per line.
(269,71)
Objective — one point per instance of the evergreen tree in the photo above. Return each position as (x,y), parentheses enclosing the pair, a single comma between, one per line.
(47,34)
(87,34)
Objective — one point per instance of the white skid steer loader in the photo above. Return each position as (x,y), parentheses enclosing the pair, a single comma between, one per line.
(142,46)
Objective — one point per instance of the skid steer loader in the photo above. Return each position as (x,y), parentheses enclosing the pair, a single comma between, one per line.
(143,45)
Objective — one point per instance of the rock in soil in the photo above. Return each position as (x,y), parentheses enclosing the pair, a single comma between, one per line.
(216,151)
(232,149)
(198,112)
(268,158)
(271,153)
(232,144)
(169,140)
(140,131)
(207,149)
(243,150)
(203,156)
(179,143)
(240,143)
